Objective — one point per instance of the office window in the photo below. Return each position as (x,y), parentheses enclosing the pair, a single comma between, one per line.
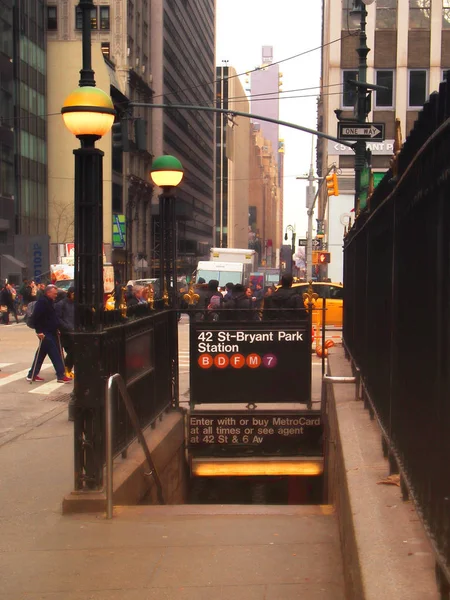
(348,91)
(386,14)
(104,17)
(384,98)
(417,87)
(52,20)
(79,18)
(445,14)
(419,14)
(349,22)
(106,50)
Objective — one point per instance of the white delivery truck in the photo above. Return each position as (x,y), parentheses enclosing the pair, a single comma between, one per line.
(224,272)
(240,255)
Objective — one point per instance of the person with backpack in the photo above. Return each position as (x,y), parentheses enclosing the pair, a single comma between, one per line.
(46,324)
(284,298)
(213,301)
(239,305)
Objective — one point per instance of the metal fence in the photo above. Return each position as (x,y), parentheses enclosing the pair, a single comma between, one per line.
(396,315)
(141,349)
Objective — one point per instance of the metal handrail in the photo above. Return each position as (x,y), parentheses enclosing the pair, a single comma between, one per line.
(116,378)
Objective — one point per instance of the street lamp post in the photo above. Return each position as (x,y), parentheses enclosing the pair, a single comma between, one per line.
(290,228)
(88,113)
(167,173)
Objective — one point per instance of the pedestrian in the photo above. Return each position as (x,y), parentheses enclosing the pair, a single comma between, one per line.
(65,311)
(228,291)
(284,298)
(46,324)
(240,304)
(7,301)
(137,296)
(213,301)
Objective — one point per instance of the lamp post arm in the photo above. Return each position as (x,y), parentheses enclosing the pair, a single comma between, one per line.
(243,114)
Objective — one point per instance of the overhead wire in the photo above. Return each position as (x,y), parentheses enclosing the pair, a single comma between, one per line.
(260,68)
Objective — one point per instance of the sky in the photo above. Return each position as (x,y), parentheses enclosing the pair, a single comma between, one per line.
(291,27)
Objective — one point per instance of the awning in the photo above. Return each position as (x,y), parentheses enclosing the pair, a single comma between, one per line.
(14,261)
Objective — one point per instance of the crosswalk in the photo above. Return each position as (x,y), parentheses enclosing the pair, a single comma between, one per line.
(9,375)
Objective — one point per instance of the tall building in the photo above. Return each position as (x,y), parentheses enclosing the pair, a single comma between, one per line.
(265,84)
(409,43)
(183,68)
(23,155)
(7,208)
(233,139)
(265,199)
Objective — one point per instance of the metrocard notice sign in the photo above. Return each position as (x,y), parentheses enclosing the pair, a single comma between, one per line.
(256,362)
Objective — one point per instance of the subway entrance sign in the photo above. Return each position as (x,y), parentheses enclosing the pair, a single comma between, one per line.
(250,362)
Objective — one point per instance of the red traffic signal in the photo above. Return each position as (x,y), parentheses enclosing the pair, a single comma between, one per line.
(323,257)
(332,184)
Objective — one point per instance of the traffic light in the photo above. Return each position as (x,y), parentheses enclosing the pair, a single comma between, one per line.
(332,184)
(120,138)
(323,258)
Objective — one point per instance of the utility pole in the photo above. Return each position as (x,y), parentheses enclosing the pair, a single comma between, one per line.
(310,201)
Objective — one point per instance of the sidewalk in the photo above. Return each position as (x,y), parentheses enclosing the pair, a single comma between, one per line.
(151,553)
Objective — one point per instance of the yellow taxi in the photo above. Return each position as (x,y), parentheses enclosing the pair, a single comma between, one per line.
(334,295)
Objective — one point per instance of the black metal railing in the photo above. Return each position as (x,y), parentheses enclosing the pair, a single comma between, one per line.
(140,348)
(396,315)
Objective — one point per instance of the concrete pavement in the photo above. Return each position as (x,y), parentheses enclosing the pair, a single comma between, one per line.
(145,552)
(24,405)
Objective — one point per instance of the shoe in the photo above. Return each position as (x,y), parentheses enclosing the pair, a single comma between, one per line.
(36,378)
(64,379)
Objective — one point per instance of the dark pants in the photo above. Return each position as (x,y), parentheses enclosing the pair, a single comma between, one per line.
(50,345)
(5,315)
(67,342)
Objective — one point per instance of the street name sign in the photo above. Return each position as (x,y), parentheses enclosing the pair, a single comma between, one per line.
(302,242)
(360,131)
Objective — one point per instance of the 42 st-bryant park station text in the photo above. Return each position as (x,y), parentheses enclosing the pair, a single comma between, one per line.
(207,343)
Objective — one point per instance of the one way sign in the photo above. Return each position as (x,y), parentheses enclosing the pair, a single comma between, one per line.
(360,131)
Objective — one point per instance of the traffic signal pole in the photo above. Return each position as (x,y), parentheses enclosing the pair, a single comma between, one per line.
(361,112)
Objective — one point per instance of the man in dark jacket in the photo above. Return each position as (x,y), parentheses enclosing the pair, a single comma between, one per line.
(65,311)
(239,305)
(46,325)
(7,295)
(284,298)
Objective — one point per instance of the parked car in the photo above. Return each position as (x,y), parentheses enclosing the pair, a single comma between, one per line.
(334,295)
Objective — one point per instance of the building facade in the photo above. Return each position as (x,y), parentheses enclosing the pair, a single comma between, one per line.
(265,200)
(121,52)
(409,43)
(265,85)
(23,154)
(183,67)
(233,139)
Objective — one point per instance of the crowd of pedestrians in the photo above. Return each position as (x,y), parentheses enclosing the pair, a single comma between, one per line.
(236,302)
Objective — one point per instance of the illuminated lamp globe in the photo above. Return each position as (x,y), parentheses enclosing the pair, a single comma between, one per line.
(166,171)
(88,111)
